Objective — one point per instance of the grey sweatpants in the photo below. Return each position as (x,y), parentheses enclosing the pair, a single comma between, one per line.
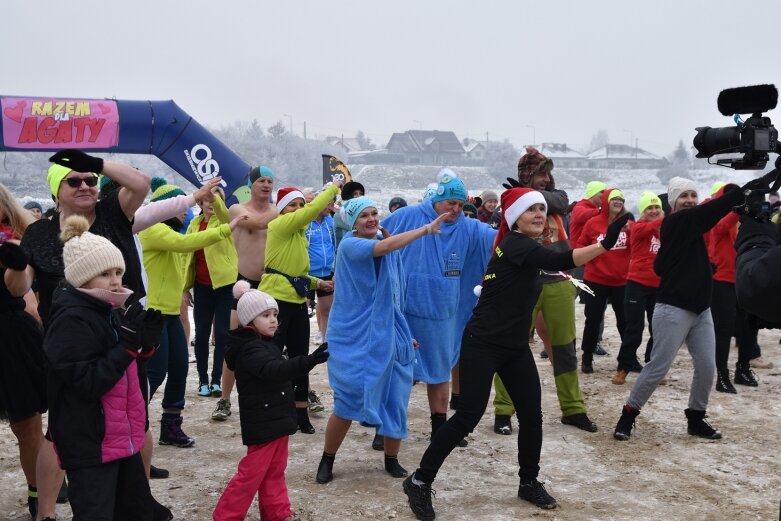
(671,326)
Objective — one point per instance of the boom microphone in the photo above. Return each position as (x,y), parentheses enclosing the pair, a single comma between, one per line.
(748,100)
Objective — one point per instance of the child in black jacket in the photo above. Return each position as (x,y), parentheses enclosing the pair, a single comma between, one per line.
(263,381)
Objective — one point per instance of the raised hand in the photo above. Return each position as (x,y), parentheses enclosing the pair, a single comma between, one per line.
(614,230)
(77,161)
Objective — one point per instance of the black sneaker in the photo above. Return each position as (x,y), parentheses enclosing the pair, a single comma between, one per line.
(161,512)
(543,354)
(503,425)
(745,376)
(378,443)
(581,421)
(699,426)
(600,351)
(419,497)
(158,473)
(534,492)
(586,367)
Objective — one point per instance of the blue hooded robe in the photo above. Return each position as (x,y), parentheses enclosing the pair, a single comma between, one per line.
(442,271)
(370,367)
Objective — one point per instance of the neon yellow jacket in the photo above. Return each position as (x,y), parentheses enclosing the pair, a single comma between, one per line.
(164,263)
(221,257)
(287,249)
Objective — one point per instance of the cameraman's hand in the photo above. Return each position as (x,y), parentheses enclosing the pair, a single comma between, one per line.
(78,161)
(762,183)
(12,256)
(511,183)
(614,230)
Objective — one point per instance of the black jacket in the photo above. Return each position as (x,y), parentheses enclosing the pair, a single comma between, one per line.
(758,271)
(84,363)
(682,261)
(263,381)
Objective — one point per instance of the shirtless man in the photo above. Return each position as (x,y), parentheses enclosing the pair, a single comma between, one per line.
(250,240)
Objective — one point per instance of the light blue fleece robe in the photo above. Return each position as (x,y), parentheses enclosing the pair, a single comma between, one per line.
(370,367)
(442,271)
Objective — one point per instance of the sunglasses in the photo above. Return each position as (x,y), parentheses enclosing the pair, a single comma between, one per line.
(75,182)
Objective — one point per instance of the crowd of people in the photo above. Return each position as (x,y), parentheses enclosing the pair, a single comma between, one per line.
(446,292)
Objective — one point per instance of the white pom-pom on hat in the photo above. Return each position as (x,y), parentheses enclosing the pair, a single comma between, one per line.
(446,172)
(252,302)
(240,288)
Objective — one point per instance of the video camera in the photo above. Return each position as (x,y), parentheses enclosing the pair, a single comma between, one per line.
(755,138)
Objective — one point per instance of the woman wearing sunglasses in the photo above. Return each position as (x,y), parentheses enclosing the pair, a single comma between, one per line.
(72,181)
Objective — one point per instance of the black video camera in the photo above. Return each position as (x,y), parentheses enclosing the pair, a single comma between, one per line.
(755,138)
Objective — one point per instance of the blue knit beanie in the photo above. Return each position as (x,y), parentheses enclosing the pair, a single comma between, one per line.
(353,208)
(449,187)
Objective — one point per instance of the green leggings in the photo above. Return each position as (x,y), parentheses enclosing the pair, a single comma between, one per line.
(557,303)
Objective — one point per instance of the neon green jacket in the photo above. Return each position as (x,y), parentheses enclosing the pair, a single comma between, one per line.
(164,263)
(221,257)
(287,249)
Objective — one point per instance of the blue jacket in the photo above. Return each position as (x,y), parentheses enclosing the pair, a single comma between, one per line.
(322,247)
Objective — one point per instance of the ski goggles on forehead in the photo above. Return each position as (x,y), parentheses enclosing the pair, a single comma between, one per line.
(75,182)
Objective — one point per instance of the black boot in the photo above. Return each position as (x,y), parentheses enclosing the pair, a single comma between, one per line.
(325,471)
(378,443)
(32,501)
(161,512)
(393,468)
(699,427)
(62,495)
(587,363)
(745,376)
(625,423)
(454,401)
(303,421)
(723,384)
(503,425)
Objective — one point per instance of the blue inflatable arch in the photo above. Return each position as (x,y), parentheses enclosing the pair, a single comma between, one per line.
(159,128)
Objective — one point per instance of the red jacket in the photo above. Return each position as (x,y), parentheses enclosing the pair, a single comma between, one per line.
(721,246)
(581,212)
(610,268)
(643,245)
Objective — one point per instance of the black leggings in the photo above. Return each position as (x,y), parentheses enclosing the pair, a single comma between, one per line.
(479,361)
(293,333)
(729,321)
(595,313)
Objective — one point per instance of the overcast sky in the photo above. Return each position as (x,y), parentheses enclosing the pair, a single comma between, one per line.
(547,70)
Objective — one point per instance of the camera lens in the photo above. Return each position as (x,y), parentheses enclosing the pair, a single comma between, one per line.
(710,141)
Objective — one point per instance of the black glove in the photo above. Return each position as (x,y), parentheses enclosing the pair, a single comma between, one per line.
(318,356)
(613,231)
(511,183)
(12,256)
(78,161)
(153,327)
(761,183)
(131,327)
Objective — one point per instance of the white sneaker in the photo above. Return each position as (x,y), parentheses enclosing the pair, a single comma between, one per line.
(318,338)
(192,358)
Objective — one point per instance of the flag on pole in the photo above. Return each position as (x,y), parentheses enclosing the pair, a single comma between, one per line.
(335,170)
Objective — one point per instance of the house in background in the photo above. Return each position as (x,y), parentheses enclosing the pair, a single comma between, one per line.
(474,150)
(347,144)
(426,147)
(624,156)
(563,156)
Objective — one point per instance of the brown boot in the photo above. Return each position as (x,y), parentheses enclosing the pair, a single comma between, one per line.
(619,378)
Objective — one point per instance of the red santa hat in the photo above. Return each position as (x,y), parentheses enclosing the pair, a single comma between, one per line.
(286,195)
(515,201)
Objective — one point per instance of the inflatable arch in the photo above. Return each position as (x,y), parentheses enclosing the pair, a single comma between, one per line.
(160,128)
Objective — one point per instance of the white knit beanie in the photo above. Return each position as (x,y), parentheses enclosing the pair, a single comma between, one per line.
(252,302)
(676,187)
(85,254)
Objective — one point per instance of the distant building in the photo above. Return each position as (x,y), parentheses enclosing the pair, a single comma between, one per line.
(473,149)
(347,144)
(426,147)
(563,156)
(624,156)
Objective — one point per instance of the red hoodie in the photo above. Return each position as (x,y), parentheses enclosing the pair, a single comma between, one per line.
(610,268)
(721,245)
(643,245)
(581,212)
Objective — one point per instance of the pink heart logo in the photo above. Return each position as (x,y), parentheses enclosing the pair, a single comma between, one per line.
(104,109)
(15,113)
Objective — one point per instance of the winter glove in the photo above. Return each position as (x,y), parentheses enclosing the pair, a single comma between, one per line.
(12,256)
(318,356)
(511,183)
(613,231)
(153,327)
(77,161)
(131,328)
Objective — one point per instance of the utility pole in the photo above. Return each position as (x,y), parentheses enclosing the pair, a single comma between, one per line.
(304,129)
